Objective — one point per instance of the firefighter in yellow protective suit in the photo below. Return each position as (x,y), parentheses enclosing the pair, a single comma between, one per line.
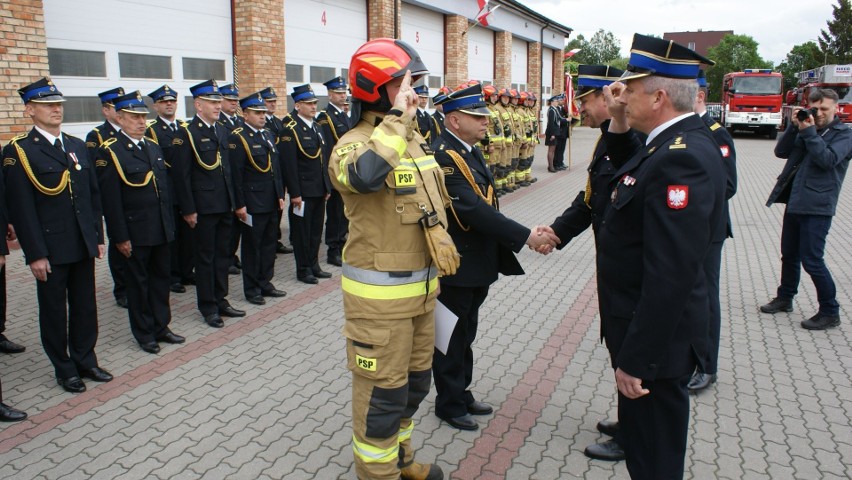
(504,181)
(394,197)
(496,145)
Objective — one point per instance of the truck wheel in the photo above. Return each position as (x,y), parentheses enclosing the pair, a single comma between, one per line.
(773,133)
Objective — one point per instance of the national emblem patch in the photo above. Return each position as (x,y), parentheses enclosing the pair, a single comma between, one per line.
(677,196)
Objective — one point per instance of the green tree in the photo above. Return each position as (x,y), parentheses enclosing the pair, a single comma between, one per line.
(802,57)
(571,62)
(603,48)
(836,43)
(620,63)
(733,54)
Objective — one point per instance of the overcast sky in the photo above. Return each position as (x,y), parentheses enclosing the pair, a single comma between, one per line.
(777,25)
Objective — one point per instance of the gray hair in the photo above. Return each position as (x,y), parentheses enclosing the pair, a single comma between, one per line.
(682,92)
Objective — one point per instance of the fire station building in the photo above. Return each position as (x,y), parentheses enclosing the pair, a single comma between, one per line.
(88,46)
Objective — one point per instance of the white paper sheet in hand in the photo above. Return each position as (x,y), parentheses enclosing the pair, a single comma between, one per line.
(248,221)
(445,323)
(300,210)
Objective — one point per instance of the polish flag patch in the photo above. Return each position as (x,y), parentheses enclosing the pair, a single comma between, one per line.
(726,151)
(677,196)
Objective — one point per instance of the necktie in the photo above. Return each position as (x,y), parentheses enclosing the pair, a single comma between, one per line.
(173,126)
(58,144)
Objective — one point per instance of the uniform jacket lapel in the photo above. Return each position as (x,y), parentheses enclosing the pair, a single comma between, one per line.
(48,149)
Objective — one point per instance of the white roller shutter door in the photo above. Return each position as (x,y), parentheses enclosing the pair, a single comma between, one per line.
(424,30)
(519,64)
(320,38)
(480,52)
(167,31)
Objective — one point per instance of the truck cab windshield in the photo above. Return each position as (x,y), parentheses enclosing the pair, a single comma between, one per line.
(757,85)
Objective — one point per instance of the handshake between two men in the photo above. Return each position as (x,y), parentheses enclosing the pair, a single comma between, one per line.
(543,239)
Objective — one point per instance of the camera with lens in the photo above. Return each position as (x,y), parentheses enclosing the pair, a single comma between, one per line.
(803,114)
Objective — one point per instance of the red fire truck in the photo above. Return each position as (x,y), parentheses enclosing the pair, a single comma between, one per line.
(833,77)
(751,100)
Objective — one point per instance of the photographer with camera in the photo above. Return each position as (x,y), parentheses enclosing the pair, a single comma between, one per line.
(818,147)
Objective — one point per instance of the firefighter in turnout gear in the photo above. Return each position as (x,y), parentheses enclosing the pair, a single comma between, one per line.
(505,165)
(494,152)
(394,194)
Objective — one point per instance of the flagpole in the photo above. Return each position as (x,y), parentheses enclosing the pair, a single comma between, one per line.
(480,16)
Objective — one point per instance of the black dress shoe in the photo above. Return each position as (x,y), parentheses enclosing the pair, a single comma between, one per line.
(170,337)
(256,299)
(608,427)
(177,288)
(274,293)
(479,408)
(232,270)
(335,260)
(214,320)
(73,384)
(308,279)
(321,274)
(8,346)
(9,414)
(821,321)
(281,248)
(97,374)
(700,381)
(464,422)
(229,311)
(121,302)
(188,281)
(778,304)
(150,347)
(608,450)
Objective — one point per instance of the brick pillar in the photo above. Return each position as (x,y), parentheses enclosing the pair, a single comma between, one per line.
(381,17)
(23,59)
(558,73)
(260,47)
(503,59)
(455,54)
(534,68)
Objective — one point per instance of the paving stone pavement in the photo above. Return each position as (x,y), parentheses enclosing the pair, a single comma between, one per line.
(268,395)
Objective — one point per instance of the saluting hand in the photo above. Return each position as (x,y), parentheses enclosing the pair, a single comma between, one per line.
(406,99)
(616,104)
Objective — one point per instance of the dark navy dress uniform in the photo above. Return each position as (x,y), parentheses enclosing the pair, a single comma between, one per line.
(257,187)
(138,208)
(304,155)
(275,126)
(94,139)
(204,186)
(56,213)
(334,124)
(426,125)
(182,249)
(486,240)
(714,259)
(231,123)
(667,207)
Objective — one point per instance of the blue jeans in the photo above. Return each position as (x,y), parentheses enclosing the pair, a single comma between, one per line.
(803,245)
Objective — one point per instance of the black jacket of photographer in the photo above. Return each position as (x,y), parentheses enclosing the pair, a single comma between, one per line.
(816,164)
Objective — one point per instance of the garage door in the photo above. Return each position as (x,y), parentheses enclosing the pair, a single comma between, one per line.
(480,52)
(179,43)
(519,64)
(424,30)
(320,38)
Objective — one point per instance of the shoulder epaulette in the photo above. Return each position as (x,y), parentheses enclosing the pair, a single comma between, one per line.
(108,142)
(715,126)
(237,130)
(290,125)
(151,122)
(153,140)
(18,137)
